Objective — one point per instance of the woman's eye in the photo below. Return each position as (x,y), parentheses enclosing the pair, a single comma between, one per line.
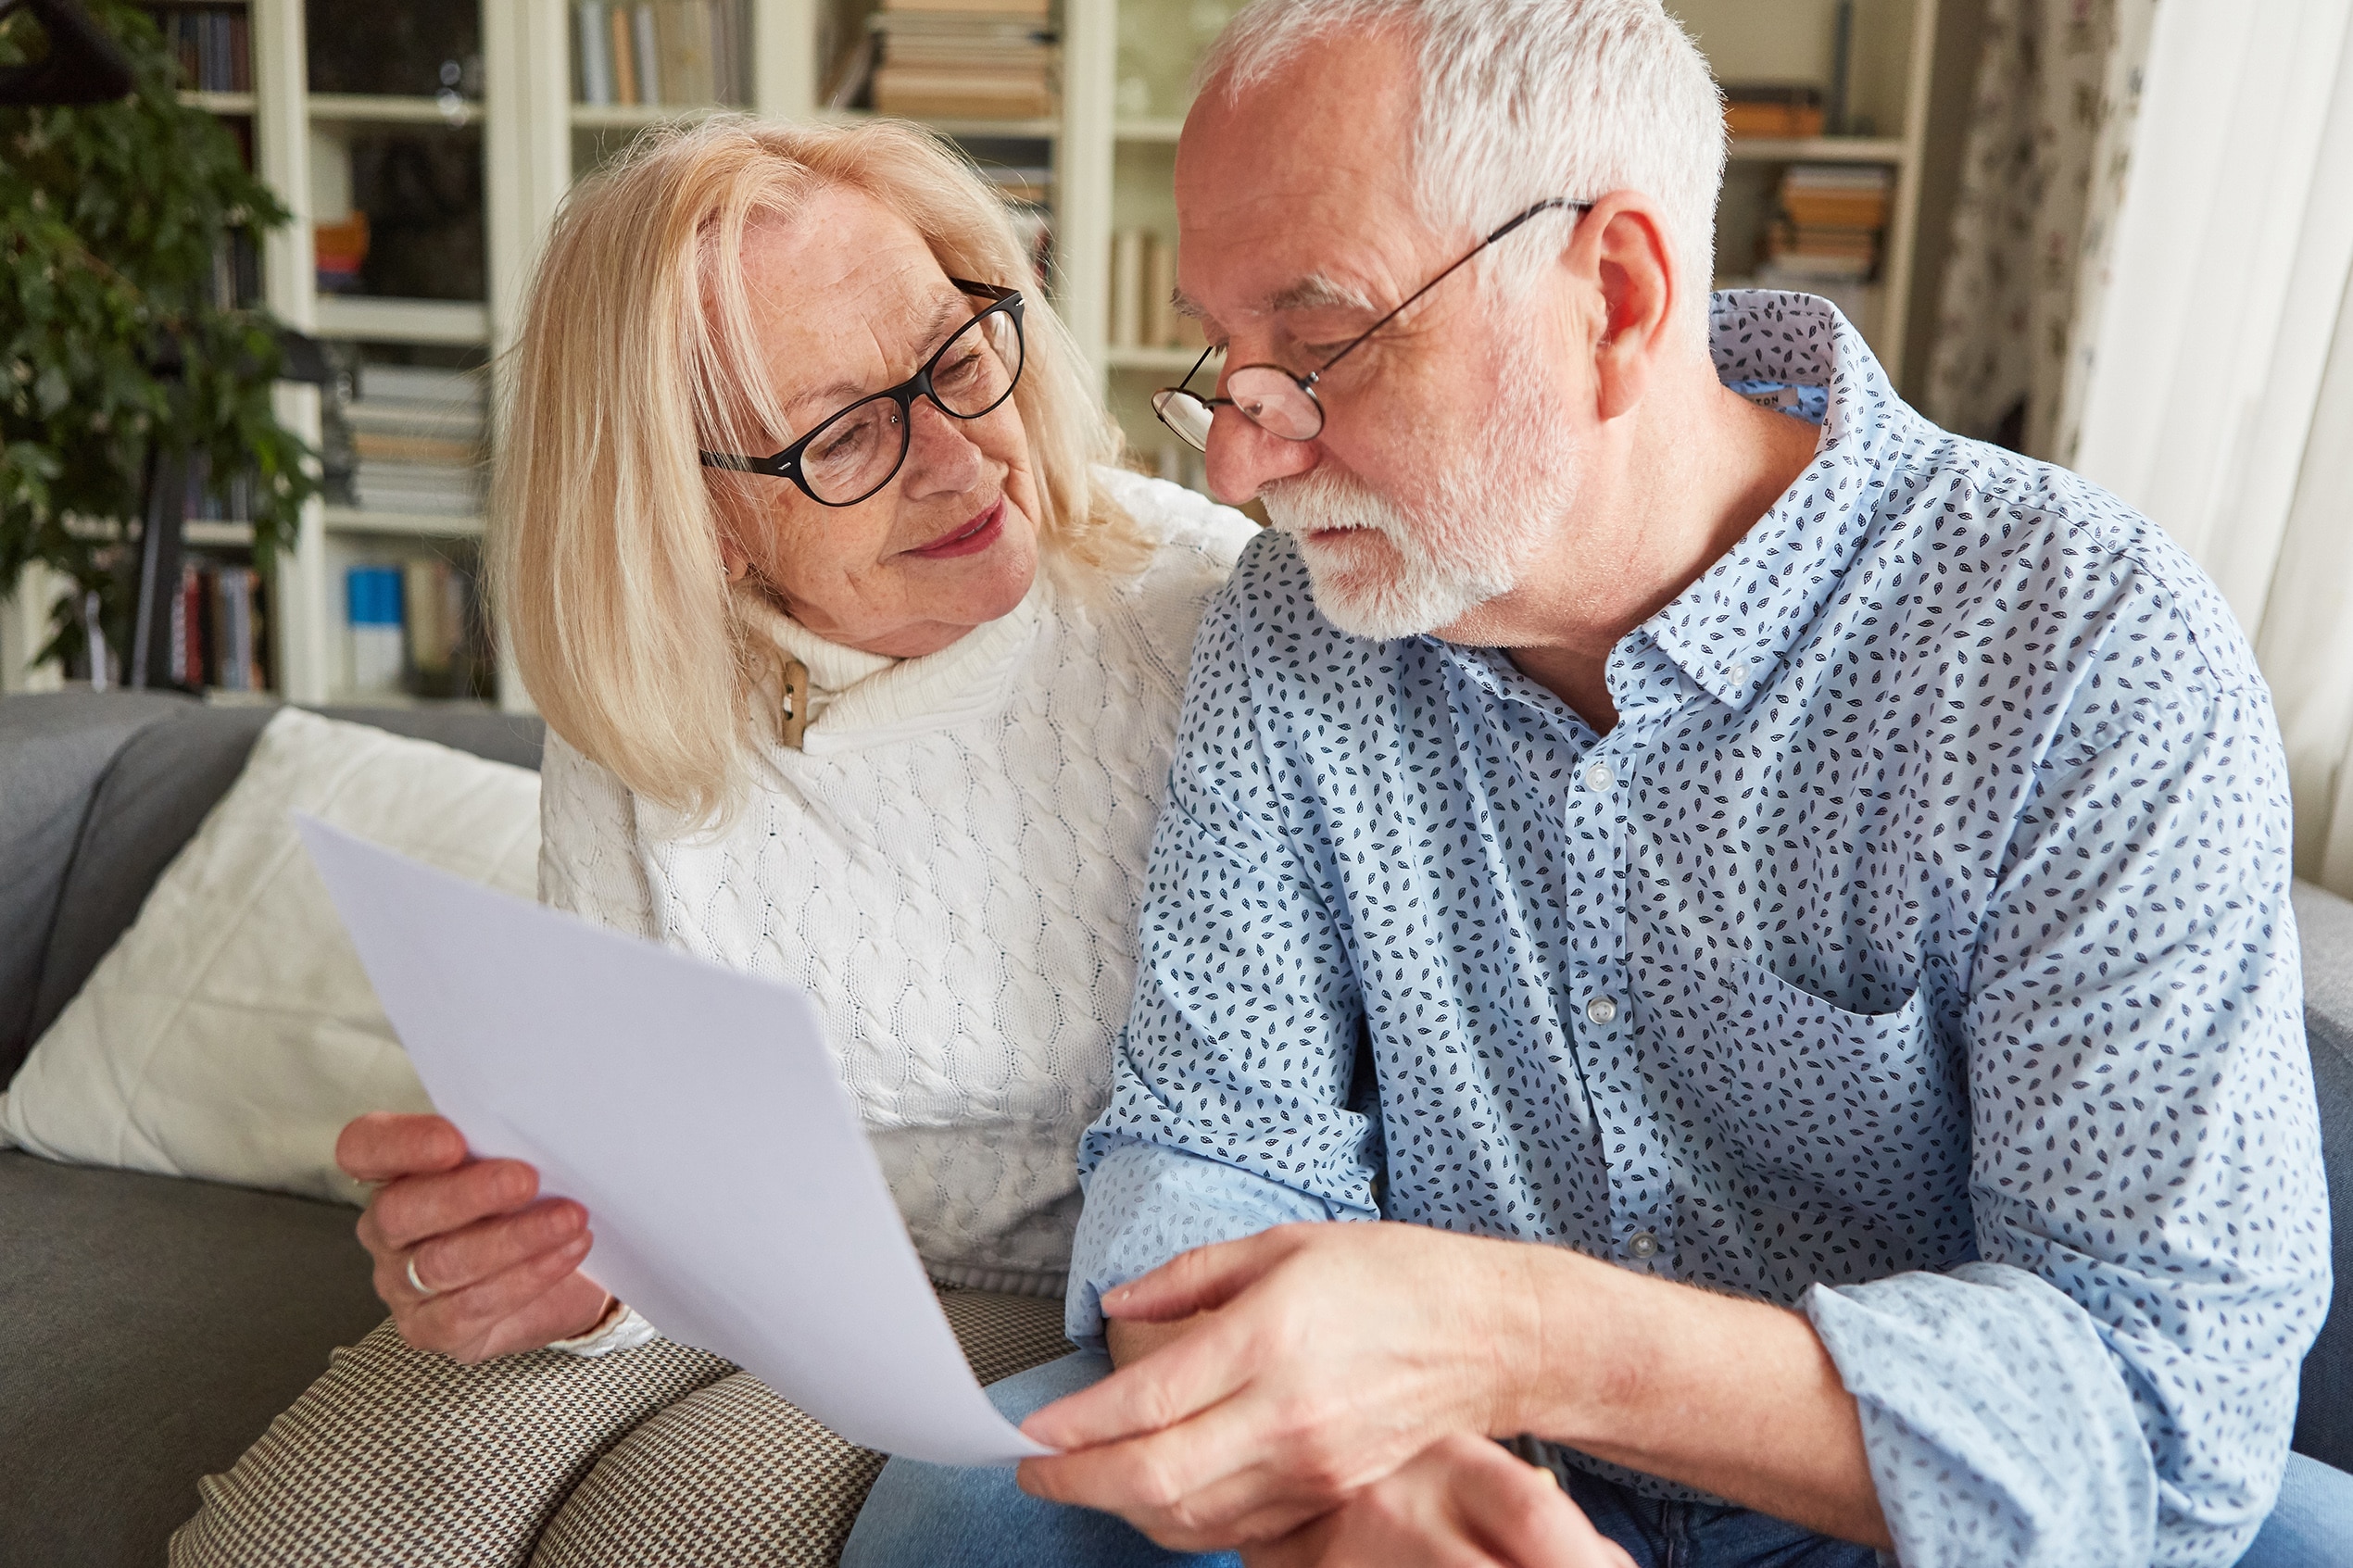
(962,368)
(841,444)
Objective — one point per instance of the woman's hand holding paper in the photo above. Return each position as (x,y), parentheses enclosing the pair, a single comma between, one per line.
(499,1264)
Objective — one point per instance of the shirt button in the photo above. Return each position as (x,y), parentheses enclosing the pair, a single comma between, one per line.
(1598,777)
(1736,672)
(1602,1010)
(1641,1244)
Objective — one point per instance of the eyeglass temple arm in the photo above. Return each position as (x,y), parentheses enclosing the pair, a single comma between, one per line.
(1546,206)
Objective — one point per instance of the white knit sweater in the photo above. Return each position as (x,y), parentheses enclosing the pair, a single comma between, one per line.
(951,866)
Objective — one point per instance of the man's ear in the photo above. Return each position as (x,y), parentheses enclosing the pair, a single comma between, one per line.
(1621,246)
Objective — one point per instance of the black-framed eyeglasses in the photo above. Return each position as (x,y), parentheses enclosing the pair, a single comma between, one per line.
(1286,404)
(854,452)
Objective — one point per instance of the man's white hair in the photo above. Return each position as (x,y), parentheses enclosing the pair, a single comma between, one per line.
(1525,99)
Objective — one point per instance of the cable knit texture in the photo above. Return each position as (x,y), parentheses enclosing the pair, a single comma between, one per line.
(951,867)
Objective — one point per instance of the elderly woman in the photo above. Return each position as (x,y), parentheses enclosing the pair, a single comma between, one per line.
(860,669)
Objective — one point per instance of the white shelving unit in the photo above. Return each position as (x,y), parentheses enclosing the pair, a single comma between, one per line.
(1124,68)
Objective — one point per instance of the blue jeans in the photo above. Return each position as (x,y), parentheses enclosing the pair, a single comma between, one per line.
(940,1516)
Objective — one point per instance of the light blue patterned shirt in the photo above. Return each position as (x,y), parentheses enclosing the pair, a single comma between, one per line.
(1916,951)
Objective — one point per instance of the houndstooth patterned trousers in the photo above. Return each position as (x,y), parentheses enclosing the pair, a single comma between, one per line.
(662,1455)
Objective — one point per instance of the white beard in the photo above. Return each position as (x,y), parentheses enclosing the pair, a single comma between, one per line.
(1399,570)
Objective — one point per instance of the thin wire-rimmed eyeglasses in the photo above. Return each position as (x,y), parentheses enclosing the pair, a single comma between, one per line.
(854,452)
(1286,404)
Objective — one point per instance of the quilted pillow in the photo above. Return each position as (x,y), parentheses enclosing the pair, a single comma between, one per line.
(231,1033)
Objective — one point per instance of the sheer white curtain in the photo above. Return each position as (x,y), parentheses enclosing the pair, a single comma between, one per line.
(2209,372)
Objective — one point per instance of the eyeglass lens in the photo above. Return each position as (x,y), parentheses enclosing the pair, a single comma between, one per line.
(855,453)
(1266,396)
(1184,413)
(1269,398)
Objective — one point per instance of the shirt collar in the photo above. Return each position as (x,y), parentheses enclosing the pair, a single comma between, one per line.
(1729,629)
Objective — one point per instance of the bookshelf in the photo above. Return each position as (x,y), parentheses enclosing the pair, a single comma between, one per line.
(1890,72)
(486,97)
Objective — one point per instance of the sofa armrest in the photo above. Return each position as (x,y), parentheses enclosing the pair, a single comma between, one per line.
(2324,1418)
(54,748)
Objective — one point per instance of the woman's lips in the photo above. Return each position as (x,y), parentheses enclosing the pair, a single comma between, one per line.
(967,538)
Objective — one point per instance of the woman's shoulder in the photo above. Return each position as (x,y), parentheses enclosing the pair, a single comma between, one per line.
(1178,522)
(1193,543)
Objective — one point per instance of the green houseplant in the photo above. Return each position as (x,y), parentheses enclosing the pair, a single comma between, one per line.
(111,218)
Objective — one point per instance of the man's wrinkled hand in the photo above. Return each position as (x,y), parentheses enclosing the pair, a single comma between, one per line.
(501,1265)
(1463,1502)
(1333,1354)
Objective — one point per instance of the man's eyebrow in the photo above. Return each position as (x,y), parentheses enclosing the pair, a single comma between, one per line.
(1317,292)
(1187,306)
(1313,291)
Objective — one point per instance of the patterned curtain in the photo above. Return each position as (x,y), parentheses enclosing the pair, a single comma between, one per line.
(2057,87)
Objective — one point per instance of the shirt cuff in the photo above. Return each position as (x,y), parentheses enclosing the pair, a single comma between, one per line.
(1146,1203)
(619,1329)
(1996,1422)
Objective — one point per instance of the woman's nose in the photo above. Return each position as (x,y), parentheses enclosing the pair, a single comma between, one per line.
(941,458)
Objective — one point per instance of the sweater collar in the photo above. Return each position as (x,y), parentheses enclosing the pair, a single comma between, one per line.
(865,699)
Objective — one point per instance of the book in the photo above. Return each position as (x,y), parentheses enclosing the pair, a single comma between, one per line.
(403,447)
(946,94)
(1127,288)
(645,52)
(682,44)
(1025,8)
(1772,110)
(376,640)
(594,33)
(1836,196)
(620,25)
(430,385)
(1163,327)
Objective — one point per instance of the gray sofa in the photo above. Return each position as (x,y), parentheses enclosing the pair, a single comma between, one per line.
(150,1327)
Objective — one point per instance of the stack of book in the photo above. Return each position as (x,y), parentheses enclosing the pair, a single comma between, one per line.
(219,636)
(339,250)
(1827,239)
(214,48)
(1831,218)
(417,433)
(1143,288)
(417,627)
(655,52)
(964,59)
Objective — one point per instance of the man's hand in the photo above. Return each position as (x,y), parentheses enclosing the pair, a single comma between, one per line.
(1463,1502)
(1334,1354)
(501,1264)
(1327,1356)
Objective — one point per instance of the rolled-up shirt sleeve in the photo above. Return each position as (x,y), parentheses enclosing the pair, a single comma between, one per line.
(2114,1378)
(1233,1104)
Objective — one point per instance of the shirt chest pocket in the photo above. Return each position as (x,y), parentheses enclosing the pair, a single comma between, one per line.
(1829,1107)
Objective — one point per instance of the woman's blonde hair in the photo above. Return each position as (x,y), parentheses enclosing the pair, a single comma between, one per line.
(637,350)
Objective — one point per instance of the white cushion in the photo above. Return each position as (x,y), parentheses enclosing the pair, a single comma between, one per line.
(231,1033)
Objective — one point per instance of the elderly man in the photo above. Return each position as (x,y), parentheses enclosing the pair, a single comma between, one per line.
(1792,916)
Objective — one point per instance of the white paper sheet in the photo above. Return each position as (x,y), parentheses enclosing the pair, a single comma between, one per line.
(697,1114)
